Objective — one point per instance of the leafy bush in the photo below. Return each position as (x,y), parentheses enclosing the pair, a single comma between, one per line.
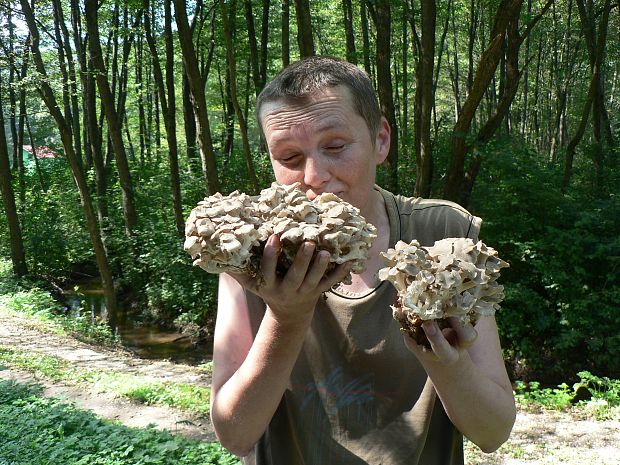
(602,399)
(562,290)
(22,295)
(47,431)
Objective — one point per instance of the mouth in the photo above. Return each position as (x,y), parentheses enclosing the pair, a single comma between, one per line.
(311,195)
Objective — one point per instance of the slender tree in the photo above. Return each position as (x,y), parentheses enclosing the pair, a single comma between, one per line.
(199,101)
(383,23)
(232,72)
(114,124)
(594,94)
(64,127)
(285,26)
(167,100)
(424,98)
(459,181)
(305,39)
(349,33)
(18,255)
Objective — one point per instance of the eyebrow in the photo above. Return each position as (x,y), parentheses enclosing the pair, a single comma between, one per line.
(329,124)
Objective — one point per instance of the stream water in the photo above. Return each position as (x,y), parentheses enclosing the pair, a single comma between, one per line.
(145,341)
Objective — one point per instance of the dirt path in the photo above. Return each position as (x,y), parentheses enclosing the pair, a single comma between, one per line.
(541,438)
(25,334)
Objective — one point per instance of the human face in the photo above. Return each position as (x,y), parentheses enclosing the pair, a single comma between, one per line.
(325,145)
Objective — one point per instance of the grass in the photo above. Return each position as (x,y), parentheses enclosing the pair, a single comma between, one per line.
(47,431)
(26,297)
(183,396)
(594,396)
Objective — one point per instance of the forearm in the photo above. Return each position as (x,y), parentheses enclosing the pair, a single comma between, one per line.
(479,407)
(243,406)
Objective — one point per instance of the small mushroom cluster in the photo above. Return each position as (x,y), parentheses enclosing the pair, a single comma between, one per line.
(228,233)
(456,277)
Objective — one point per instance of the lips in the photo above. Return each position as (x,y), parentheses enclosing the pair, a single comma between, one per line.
(312,194)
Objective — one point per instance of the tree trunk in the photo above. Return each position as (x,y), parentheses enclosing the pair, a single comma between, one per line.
(384,80)
(484,74)
(168,105)
(139,81)
(286,41)
(509,22)
(243,127)
(114,124)
(254,59)
(455,176)
(12,100)
(264,43)
(189,125)
(85,77)
(304,28)
(199,101)
(424,101)
(365,38)
(585,114)
(596,43)
(347,10)
(65,132)
(71,85)
(18,255)
(594,38)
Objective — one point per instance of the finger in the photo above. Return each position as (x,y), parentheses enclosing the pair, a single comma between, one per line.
(269,261)
(316,271)
(439,344)
(466,333)
(297,272)
(336,276)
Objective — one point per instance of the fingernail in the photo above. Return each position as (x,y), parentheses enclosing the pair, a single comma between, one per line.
(429,328)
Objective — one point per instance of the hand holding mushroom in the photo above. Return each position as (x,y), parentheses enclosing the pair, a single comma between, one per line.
(229,233)
(453,282)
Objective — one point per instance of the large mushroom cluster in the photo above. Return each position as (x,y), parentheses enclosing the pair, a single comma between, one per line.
(456,277)
(228,233)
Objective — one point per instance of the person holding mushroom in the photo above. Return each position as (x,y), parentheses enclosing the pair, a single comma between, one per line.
(309,370)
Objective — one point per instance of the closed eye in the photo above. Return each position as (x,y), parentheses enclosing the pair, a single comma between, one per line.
(335,148)
(288,159)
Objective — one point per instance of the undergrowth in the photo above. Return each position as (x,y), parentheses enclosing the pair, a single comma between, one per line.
(46,431)
(27,297)
(178,395)
(594,395)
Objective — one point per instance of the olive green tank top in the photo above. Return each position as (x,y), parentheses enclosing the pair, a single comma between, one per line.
(357,395)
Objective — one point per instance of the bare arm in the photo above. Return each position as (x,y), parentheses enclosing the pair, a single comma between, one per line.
(251,372)
(471,382)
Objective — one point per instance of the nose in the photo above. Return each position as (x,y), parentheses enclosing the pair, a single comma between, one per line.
(316,173)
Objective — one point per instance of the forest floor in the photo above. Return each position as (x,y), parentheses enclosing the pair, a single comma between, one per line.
(539,437)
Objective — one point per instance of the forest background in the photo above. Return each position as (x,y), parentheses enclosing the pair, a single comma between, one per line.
(144,107)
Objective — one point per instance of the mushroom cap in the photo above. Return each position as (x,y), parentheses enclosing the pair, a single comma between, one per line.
(456,277)
(228,233)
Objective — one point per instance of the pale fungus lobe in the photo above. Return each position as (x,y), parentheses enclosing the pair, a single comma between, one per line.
(456,277)
(228,233)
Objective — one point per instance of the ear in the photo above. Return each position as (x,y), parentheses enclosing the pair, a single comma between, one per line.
(382,141)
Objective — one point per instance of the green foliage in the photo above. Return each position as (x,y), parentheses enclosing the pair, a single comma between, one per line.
(562,289)
(604,402)
(24,297)
(552,398)
(183,396)
(157,272)
(54,231)
(47,431)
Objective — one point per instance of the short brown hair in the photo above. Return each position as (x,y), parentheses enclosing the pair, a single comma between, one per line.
(299,81)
